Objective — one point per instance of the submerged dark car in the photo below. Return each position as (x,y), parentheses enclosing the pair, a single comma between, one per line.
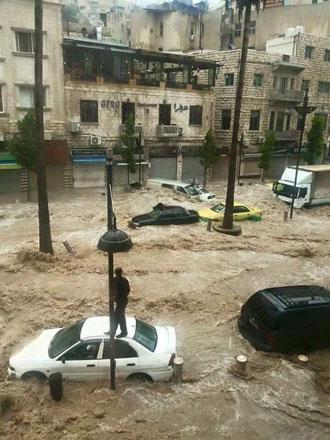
(165,215)
(287,319)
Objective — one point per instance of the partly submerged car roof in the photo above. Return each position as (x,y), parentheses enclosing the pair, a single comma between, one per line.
(98,327)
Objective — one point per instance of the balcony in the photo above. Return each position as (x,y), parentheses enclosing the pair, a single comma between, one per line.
(289,135)
(168,131)
(137,130)
(286,95)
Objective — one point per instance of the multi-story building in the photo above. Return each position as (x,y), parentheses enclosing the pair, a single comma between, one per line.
(170,104)
(17,70)
(273,20)
(174,26)
(274,85)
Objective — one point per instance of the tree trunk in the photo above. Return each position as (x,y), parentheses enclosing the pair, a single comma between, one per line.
(45,240)
(228,217)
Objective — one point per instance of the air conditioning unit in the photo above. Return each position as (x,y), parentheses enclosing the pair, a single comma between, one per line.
(260,139)
(2,136)
(95,141)
(74,126)
(48,135)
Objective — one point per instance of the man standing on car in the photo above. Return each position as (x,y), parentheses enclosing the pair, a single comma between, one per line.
(122,290)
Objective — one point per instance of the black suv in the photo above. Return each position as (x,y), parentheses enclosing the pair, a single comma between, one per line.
(287,319)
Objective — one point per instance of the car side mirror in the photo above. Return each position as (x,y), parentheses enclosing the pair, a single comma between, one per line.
(63,361)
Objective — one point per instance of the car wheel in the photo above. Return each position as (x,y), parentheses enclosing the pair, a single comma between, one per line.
(141,377)
(34,375)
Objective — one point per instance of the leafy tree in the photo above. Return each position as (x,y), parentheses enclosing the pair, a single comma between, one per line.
(128,145)
(266,150)
(315,140)
(23,145)
(241,5)
(208,153)
(71,12)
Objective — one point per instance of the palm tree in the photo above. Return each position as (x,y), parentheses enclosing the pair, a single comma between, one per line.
(45,240)
(241,5)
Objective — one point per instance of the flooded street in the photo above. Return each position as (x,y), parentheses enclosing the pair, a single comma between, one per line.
(182,276)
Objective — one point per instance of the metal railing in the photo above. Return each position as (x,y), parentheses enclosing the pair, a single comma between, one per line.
(168,130)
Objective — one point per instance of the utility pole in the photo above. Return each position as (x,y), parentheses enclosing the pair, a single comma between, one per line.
(303,110)
(241,146)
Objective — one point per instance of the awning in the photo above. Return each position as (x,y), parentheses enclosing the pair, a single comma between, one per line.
(8,162)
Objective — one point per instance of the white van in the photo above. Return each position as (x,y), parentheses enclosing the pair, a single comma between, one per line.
(189,189)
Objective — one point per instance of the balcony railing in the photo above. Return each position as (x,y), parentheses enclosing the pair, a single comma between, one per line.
(137,130)
(286,95)
(168,131)
(289,135)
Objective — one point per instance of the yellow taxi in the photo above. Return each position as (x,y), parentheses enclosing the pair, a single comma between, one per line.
(241,212)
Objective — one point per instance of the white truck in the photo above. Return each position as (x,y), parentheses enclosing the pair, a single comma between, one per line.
(312,187)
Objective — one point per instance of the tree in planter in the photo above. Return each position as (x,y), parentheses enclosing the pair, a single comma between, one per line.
(242,5)
(128,145)
(266,150)
(23,144)
(315,140)
(208,153)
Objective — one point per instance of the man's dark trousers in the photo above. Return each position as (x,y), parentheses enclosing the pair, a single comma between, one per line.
(120,317)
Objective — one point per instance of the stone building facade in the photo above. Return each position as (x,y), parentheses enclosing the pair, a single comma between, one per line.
(17,77)
(104,84)
(274,84)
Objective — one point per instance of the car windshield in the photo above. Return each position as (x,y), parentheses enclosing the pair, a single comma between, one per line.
(191,190)
(146,335)
(285,190)
(64,339)
(203,190)
(218,208)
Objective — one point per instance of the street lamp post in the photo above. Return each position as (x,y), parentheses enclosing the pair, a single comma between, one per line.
(141,146)
(113,241)
(303,110)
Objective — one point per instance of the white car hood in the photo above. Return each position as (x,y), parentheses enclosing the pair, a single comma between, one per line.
(36,350)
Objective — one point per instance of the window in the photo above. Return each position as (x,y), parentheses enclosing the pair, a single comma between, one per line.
(25,42)
(225,119)
(292,83)
(164,114)
(305,84)
(288,121)
(271,120)
(127,109)
(257,81)
(229,79)
(323,87)
(279,121)
(240,208)
(145,334)
(309,52)
(254,120)
(327,55)
(122,350)
(1,100)
(83,351)
(26,96)
(195,115)
(238,30)
(283,85)
(275,81)
(299,122)
(161,29)
(252,27)
(64,339)
(89,111)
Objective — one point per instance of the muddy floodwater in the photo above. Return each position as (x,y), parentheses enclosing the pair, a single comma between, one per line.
(182,276)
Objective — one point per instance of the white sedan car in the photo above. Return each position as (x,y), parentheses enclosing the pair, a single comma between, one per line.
(81,351)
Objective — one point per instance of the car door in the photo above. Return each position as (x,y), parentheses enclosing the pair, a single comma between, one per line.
(81,361)
(241,212)
(127,360)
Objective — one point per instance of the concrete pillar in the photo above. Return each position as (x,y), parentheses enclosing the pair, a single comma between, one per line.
(179,160)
